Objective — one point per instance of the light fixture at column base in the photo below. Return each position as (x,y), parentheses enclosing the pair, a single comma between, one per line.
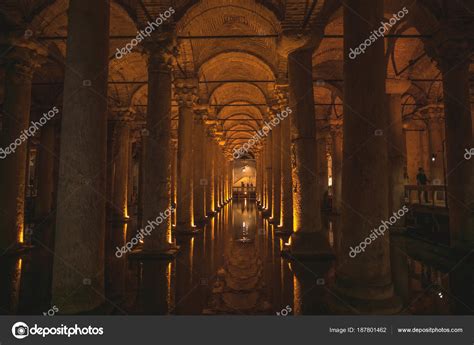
(146,254)
(281,231)
(186,230)
(308,246)
(273,221)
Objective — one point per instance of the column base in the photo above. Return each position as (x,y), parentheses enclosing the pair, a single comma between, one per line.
(16,249)
(201,223)
(273,221)
(283,231)
(115,218)
(342,304)
(211,214)
(159,254)
(308,246)
(186,230)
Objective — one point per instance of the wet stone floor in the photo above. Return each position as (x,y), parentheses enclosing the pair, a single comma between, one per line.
(234,267)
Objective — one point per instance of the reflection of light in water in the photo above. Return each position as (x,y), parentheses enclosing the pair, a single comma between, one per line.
(245,201)
(191,257)
(125,225)
(331,234)
(296,295)
(169,295)
(15,295)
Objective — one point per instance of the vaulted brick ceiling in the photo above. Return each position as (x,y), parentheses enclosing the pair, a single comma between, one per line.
(247,68)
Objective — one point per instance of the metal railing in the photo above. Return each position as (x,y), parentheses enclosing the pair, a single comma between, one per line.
(427,195)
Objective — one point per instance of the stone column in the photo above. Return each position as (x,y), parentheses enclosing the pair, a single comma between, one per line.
(186,93)
(257,178)
(321,152)
(310,239)
(363,279)
(453,51)
(121,162)
(174,170)
(222,178)
(396,143)
(216,169)
(80,217)
(263,179)
(199,170)
(156,160)
(286,226)
(276,174)
(336,150)
(435,124)
(46,183)
(268,175)
(231,177)
(210,203)
(20,65)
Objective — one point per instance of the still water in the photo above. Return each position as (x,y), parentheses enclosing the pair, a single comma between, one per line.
(234,267)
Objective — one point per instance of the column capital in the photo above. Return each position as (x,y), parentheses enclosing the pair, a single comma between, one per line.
(291,40)
(397,86)
(432,113)
(122,114)
(451,45)
(282,93)
(24,55)
(335,127)
(161,51)
(186,91)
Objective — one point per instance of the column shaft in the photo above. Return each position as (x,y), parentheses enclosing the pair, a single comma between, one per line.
(309,238)
(460,171)
(184,209)
(121,170)
(364,280)
(276,175)
(286,178)
(396,153)
(80,219)
(199,172)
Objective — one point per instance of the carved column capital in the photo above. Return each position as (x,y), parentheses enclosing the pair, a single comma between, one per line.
(160,50)
(451,45)
(23,56)
(186,92)
(397,86)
